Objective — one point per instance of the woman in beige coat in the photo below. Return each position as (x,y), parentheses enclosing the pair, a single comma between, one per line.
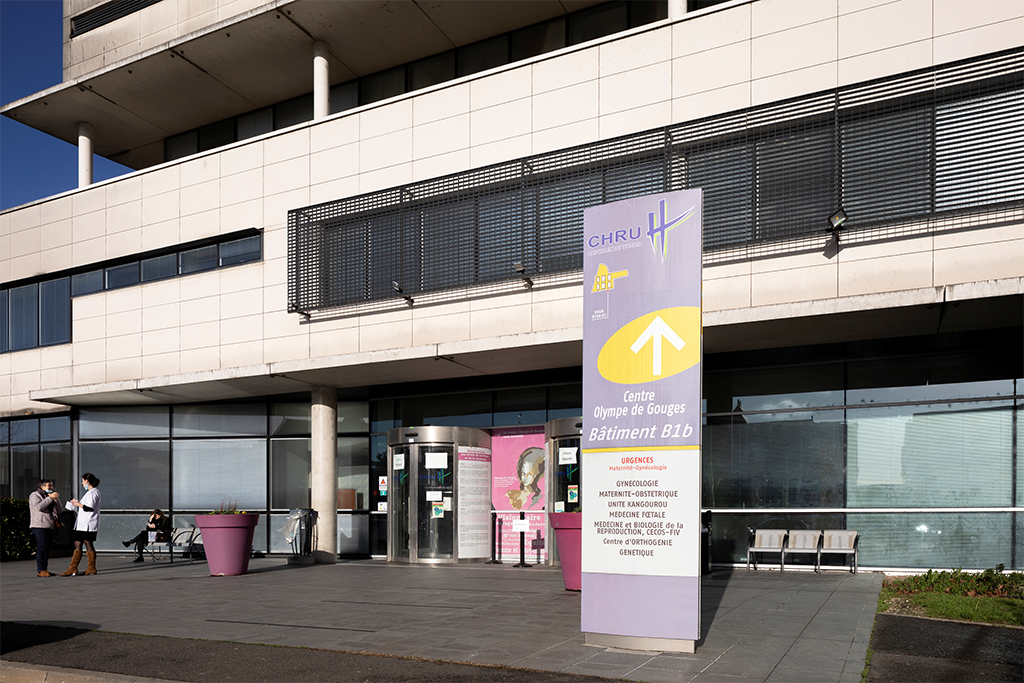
(43,505)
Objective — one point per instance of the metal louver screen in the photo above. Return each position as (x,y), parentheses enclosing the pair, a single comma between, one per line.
(105,14)
(942,141)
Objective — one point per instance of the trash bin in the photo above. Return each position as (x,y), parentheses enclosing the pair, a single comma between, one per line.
(705,542)
(300,531)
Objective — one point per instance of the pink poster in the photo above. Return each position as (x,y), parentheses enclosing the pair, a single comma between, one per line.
(518,484)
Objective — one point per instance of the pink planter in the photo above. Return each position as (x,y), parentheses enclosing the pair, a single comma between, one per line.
(227,540)
(568,528)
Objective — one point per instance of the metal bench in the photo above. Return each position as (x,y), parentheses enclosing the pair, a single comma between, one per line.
(842,542)
(765,541)
(803,541)
(182,538)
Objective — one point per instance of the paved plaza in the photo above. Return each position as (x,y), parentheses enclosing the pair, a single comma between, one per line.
(755,626)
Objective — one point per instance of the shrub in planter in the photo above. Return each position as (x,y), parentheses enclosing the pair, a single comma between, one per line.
(16,542)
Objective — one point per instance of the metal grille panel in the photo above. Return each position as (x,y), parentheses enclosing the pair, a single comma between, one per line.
(105,14)
(926,150)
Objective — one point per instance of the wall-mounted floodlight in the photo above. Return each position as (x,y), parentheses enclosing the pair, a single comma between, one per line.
(398,288)
(836,220)
(521,269)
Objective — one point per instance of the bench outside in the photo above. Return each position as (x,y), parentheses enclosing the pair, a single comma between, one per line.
(843,542)
(803,541)
(182,538)
(765,541)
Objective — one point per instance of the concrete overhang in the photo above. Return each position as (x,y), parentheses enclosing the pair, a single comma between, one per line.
(515,353)
(257,59)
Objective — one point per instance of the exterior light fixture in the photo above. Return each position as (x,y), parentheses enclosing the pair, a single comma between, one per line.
(521,269)
(398,288)
(836,220)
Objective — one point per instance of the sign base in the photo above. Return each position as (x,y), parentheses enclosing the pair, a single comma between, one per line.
(641,643)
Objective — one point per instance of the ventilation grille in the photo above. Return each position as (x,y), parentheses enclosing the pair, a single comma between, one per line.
(922,146)
(106,13)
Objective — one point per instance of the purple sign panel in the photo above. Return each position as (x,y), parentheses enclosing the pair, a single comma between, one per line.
(641,424)
(641,324)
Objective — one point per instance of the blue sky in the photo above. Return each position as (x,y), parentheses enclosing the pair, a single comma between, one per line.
(34,165)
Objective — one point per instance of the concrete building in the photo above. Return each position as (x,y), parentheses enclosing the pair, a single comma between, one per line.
(349,217)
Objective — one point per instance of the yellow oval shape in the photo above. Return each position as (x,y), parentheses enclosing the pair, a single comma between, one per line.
(629,356)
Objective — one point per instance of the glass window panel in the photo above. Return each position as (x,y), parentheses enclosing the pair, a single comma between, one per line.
(293,112)
(182,145)
(783,460)
(116,527)
(87,283)
(537,40)
(216,135)
(5,432)
(382,85)
(931,392)
(379,535)
(482,56)
(353,416)
(255,123)
(290,473)
(378,468)
(934,455)
(1020,470)
(55,428)
(118,423)
(353,472)
(159,267)
(462,410)
(134,475)
(597,23)
(432,71)
(123,276)
(5,472)
(729,532)
(383,416)
(208,474)
(197,260)
(565,401)
(646,11)
(220,420)
(4,332)
(24,317)
(24,470)
(941,540)
(817,386)
(520,406)
(24,431)
(55,312)
(240,251)
(289,418)
(57,466)
(344,97)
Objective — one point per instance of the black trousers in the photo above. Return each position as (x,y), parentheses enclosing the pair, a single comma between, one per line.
(44,537)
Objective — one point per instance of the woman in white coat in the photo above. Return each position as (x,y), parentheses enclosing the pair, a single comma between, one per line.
(87,523)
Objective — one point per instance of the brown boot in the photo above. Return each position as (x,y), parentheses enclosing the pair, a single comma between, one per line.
(91,569)
(44,573)
(73,569)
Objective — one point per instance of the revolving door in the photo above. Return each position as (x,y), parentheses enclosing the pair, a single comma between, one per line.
(439,494)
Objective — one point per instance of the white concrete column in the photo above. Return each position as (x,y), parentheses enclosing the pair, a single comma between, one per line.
(321,81)
(85,133)
(324,474)
(676,8)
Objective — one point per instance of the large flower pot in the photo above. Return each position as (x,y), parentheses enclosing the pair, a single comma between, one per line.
(568,528)
(227,540)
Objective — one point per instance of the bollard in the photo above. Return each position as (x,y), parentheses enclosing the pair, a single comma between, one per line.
(522,545)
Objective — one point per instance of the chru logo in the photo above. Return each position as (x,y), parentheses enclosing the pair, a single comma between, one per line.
(658,226)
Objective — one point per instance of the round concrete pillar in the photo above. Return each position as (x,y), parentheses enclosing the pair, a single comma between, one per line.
(85,135)
(321,81)
(324,471)
(676,8)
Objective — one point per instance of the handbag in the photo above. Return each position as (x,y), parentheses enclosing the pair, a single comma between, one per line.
(56,523)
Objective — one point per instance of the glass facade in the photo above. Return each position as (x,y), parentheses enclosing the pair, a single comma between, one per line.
(913,442)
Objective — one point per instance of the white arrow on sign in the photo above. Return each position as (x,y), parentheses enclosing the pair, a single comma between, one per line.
(657,330)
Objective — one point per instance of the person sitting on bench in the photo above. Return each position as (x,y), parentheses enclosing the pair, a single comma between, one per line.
(158,524)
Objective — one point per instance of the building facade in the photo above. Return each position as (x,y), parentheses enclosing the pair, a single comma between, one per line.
(350,217)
